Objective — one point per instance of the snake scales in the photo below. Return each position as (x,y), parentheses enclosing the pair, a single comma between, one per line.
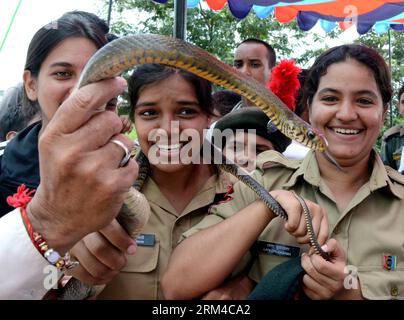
(126,52)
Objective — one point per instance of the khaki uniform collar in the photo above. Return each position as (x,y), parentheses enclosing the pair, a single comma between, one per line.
(310,172)
(217,183)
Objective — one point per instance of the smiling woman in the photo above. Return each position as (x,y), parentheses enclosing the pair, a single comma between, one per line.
(56,56)
(347,91)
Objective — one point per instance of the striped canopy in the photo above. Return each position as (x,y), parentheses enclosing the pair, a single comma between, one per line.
(365,14)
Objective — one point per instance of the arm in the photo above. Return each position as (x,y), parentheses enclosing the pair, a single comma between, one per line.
(203,261)
(80,181)
(22,271)
(234,289)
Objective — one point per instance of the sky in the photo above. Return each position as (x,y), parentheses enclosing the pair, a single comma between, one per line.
(32,15)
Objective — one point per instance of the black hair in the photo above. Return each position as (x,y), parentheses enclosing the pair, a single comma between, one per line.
(400,92)
(363,54)
(270,49)
(14,115)
(70,24)
(224,101)
(300,105)
(148,74)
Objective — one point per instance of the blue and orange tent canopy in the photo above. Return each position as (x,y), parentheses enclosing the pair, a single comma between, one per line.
(365,14)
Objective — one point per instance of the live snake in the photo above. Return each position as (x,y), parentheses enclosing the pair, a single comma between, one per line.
(126,52)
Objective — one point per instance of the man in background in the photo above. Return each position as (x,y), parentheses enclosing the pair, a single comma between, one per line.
(393,140)
(254,58)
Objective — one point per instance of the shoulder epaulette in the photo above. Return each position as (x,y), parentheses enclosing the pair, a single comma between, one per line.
(394,130)
(395,175)
(272,158)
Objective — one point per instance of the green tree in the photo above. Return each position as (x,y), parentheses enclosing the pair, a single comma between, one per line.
(217,32)
(381,44)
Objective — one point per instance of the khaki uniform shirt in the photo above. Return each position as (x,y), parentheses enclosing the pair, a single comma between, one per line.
(140,278)
(371,228)
(392,146)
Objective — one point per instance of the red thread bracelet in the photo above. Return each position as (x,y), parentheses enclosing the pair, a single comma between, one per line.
(20,200)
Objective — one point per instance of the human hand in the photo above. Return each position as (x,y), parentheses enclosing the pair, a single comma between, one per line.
(237,288)
(324,279)
(296,224)
(102,254)
(82,186)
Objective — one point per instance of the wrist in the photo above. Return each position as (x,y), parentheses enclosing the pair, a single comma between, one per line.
(46,225)
(268,213)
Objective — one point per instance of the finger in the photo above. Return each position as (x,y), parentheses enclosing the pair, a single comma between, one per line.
(292,207)
(104,163)
(111,154)
(118,237)
(91,265)
(120,141)
(301,231)
(319,291)
(330,274)
(323,233)
(335,250)
(211,295)
(83,103)
(318,268)
(84,276)
(313,216)
(97,132)
(217,294)
(310,293)
(104,251)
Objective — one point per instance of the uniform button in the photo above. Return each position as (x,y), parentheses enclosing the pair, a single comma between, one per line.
(394,291)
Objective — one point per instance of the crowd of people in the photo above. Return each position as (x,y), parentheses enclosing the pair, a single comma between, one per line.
(62,181)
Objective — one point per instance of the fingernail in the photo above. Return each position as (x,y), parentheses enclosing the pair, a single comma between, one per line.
(131,250)
(122,82)
(325,248)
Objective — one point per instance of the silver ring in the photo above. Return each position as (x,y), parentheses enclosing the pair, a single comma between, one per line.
(126,157)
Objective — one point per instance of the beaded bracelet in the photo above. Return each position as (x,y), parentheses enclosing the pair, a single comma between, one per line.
(20,200)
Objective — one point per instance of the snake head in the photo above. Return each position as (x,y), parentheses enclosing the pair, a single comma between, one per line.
(318,139)
(315,139)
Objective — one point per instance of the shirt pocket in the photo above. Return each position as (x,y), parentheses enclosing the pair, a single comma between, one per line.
(379,284)
(144,260)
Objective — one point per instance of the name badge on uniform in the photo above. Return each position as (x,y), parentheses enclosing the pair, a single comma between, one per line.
(389,262)
(146,240)
(277,249)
